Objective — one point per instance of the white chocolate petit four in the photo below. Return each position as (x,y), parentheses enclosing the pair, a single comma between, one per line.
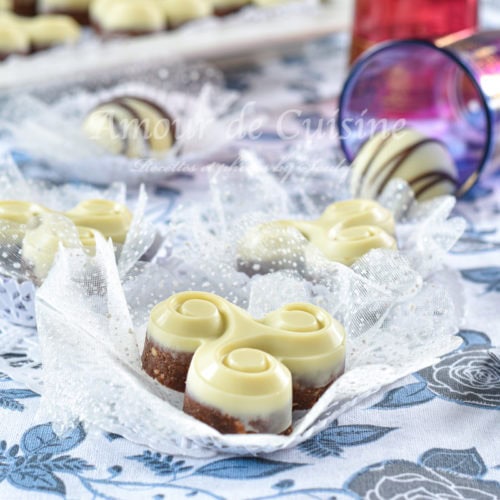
(111,219)
(178,12)
(240,374)
(13,38)
(41,243)
(344,233)
(50,30)
(128,17)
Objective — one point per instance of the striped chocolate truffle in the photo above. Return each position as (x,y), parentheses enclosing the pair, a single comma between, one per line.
(425,163)
(131,126)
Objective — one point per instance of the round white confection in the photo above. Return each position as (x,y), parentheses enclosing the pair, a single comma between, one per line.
(178,12)
(424,163)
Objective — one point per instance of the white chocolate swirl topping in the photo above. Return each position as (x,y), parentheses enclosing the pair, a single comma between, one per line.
(178,12)
(129,16)
(20,211)
(52,29)
(283,244)
(246,366)
(111,219)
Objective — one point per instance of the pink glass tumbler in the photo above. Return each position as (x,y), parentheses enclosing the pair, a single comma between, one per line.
(448,89)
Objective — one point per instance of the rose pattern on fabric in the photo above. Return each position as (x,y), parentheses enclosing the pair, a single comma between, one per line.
(469,376)
(439,473)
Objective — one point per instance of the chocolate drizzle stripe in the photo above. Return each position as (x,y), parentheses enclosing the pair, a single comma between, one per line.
(399,158)
(433,179)
(376,153)
(135,115)
(119,132)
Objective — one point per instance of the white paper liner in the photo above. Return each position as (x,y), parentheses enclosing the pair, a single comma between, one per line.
(91,329)
(17,289)
(52,133)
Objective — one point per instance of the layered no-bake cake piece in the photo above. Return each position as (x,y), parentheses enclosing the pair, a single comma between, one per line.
(41,242)
(346,231)
(110,218)
(242,375)
(31,234)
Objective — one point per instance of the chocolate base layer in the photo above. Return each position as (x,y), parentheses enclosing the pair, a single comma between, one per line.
(170,368)
(304,398)
(226,11)
(225,424)
(24,7)
(80,16)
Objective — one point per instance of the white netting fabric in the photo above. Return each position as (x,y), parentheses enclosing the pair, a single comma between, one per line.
(92,328)
(202,120)
(19,277)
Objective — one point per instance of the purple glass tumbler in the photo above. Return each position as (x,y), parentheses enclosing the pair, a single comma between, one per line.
(448,89)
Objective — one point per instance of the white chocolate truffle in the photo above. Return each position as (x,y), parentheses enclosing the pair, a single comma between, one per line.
(131,126)
(50,30)
(425,163)
(129,17)
(13,38)
(178,12)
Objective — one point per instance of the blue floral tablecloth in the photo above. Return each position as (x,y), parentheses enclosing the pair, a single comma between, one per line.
(435,434)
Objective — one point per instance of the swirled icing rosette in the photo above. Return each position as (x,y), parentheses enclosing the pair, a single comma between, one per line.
(346,231)
(239,374)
